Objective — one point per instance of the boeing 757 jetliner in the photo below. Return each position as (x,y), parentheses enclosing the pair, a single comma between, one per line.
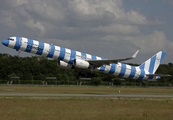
(70,58)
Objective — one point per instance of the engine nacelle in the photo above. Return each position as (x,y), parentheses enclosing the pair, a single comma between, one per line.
(81,63)
(63,64)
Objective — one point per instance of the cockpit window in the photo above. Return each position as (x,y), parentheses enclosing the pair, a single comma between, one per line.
(11,39)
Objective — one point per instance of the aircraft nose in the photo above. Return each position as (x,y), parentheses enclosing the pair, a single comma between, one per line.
(5,42)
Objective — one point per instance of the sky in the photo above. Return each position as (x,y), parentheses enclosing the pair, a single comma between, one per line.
(106,28)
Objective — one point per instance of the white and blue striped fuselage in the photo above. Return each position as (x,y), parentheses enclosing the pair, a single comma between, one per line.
(68,55)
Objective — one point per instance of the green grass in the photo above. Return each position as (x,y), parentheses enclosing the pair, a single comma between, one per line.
(85,89)
(84,108)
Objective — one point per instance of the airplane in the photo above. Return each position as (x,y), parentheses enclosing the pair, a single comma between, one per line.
(68,58)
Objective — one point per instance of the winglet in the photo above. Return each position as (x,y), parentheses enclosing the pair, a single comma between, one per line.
(135,54)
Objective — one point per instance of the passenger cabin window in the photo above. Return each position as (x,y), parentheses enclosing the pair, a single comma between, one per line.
(11,39)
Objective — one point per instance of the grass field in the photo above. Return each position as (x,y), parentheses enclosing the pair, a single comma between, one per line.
(85,108)
(85,89)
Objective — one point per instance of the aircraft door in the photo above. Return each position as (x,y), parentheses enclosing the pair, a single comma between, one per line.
(137,74)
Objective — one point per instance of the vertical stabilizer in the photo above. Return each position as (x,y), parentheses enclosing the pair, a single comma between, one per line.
(153,63)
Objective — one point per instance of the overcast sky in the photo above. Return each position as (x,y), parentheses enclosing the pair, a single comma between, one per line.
(106,28)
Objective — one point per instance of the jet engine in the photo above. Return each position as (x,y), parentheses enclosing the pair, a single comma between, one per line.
(81,63)
(63,64)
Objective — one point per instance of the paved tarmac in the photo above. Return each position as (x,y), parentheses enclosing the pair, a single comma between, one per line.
(83,95)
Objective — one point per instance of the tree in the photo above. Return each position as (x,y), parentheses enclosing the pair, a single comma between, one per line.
(117,81)
(96,81)
(26,76)
(40,67)
(40,77)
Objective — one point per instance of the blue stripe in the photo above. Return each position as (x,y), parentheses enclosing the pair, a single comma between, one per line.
(83,55)
(72,56)
(17,45)
(142,74)
(123,70)
(29,46)
(52,50)
(162,56)
(142,66)
(133,71)
(93,57)
(112,70)
(62,53)
(152,63)
(102,68)
(40,48)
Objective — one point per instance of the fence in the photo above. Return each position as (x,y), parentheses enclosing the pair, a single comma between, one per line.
(83,82)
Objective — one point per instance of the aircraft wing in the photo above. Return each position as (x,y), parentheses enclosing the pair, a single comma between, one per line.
(161,75)
(98,63)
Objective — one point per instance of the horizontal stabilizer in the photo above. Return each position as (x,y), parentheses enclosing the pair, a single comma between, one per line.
(161,75)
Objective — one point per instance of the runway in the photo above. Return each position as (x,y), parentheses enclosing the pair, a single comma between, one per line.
(3,94)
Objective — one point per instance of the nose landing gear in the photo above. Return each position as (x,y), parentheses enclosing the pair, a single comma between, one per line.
(18,55)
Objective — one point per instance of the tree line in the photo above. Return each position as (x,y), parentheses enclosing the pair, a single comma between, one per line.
(38,68)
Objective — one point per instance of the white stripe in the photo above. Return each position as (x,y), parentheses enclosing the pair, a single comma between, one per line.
(34,47)
(107,69)
(88,56)
(46,50)
(56,52)
(147,65)
(24,44)
(98,58)
(67,55)
(157,62)
(138,72)
(117,69)
(78,55)
(128,71)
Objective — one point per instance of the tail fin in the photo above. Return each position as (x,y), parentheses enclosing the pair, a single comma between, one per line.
(153,63)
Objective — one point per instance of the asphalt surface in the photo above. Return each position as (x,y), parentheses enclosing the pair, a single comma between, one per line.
(83,95)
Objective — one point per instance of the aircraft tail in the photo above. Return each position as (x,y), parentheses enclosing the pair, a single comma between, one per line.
(153,63)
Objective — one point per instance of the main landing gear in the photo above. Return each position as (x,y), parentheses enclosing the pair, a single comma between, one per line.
(18,55)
